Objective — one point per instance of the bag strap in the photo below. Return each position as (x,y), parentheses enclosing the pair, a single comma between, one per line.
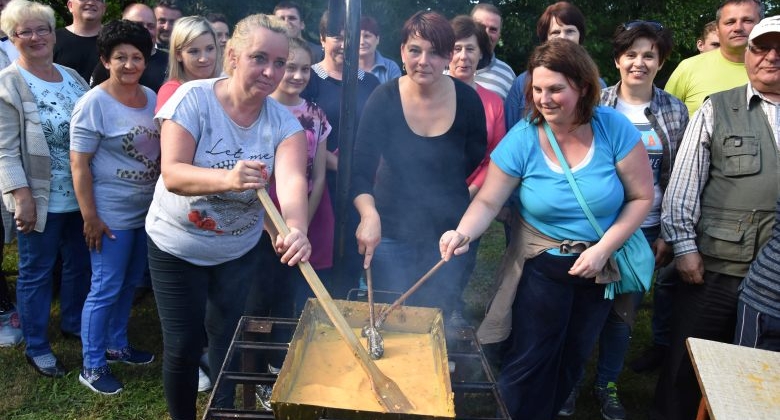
(575,188)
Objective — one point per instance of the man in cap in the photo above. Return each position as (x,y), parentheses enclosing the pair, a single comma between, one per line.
(718,211)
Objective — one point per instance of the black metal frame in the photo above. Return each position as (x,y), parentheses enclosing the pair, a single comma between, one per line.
(475,389)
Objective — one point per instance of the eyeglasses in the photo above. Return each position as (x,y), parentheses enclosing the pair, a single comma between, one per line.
(636,23)
(763,49)
(28,33)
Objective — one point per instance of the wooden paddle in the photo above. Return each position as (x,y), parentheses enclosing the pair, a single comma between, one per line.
(389,395)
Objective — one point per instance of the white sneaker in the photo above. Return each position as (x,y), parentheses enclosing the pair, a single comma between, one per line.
(204,383)
(10,329)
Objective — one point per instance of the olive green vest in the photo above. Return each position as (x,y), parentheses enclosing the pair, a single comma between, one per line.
(739,199)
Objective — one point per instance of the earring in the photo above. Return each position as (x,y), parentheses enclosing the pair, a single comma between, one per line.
(403,66)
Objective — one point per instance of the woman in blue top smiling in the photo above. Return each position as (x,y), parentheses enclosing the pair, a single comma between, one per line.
(557,308)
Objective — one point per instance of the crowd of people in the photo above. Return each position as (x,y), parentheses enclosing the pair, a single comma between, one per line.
(131,152)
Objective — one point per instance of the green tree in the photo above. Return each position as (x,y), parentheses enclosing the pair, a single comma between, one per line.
(684,17)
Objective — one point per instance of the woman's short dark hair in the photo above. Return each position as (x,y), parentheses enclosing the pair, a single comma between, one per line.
(325,22)
(465,26)
(431,27)
(660,38)
(574,63)
(566,14)
(367,23)
(123,31)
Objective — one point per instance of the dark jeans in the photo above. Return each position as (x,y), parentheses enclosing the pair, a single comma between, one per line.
(347,263)
(756,329)
(707,311)
(556,319)
(666,281)
(279,290)
(189,296)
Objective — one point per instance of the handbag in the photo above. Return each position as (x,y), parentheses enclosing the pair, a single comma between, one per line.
(635,259)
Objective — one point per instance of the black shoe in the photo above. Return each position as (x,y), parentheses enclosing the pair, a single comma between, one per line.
(567,410)
(56,371)
(650,360)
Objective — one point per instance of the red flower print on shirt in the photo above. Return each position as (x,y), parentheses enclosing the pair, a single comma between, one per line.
(205,223)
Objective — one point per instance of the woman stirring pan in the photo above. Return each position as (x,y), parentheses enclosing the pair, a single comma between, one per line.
(555,311)
(428,131)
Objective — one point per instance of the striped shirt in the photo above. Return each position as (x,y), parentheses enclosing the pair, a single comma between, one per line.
(761,288)
(682,201)
(496,76)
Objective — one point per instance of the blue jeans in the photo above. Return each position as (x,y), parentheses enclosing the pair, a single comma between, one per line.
(616,334)
(37,255)
(116,270)
(556,319)
(756,329)
(613,345)
(189,296)
(398,264)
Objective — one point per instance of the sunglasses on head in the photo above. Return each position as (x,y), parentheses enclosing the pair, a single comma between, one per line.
(635,23)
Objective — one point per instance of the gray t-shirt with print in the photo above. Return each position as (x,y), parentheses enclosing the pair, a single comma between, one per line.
(126,161)
(212,229)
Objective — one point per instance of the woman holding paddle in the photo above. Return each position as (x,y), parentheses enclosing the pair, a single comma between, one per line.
(220,140)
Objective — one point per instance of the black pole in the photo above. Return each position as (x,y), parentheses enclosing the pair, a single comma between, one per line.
(347,130)
(335,8)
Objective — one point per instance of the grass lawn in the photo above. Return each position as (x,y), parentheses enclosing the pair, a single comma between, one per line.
(28,396)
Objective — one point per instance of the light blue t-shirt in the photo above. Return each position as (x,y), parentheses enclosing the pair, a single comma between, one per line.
(55,102)
(126,161)
(655,151)
(212,229)
(546,198)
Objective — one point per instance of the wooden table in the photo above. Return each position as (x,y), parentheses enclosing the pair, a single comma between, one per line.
(736,382)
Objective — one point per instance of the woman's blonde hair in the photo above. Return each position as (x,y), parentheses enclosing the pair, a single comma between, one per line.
(243,33)
(184,32)
(19,11)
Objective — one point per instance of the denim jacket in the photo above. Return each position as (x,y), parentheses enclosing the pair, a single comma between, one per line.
(384,68)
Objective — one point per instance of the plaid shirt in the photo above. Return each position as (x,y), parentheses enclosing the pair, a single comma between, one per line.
(682,201)
(667,115)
